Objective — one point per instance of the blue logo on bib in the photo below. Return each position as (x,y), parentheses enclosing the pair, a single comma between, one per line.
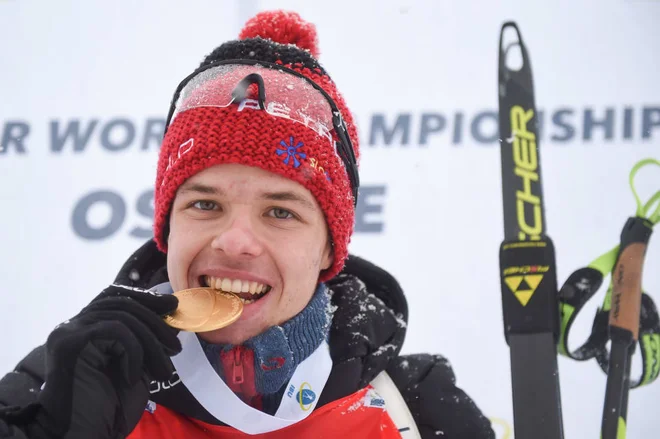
(305,396)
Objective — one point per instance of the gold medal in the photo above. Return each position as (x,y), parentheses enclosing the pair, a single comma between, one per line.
(227,309)
(204,309)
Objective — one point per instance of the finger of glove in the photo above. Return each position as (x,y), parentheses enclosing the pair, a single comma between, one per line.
(165,334)
(160,304)
(97,344)
(154,356)
(81,394)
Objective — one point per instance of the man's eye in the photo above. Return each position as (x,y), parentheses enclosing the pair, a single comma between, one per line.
(204,205)
(280,213)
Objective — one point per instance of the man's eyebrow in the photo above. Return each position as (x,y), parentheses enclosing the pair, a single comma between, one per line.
(201,188)
(288,196)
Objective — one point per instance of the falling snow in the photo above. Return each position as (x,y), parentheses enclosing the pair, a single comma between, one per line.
(134,275)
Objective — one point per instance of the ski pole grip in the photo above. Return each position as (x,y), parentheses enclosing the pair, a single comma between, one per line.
(627,276)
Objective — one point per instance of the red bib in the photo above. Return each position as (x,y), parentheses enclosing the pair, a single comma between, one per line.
(361,414)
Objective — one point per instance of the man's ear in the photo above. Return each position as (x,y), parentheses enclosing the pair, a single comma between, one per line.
(167,227)
(328,256)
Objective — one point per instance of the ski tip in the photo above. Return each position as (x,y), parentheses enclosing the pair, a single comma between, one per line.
(509,23)
(506,25)
(510,37)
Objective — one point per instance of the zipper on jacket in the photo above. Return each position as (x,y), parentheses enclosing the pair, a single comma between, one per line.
(238,367)
(238,376)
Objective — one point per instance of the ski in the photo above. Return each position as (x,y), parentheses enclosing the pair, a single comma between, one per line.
(528,276)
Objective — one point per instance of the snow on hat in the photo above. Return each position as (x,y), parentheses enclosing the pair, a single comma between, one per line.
(205,129)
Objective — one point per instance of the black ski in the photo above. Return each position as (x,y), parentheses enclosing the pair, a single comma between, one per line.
(527,261)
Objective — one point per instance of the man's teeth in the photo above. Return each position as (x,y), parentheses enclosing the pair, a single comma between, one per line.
(236,285)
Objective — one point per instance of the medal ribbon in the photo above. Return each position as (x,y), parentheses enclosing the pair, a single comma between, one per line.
(299,399)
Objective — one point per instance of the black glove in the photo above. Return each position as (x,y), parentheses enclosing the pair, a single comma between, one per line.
(100,363)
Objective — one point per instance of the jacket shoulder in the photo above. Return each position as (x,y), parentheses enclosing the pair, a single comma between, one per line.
(428,385)
(21,386)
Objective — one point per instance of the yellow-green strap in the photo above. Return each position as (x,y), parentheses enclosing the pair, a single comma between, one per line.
(642,210)
(605,262)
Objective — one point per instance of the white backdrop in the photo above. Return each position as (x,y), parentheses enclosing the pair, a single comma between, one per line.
(436,221)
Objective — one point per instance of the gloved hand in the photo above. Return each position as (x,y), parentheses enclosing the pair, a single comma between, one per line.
(100,363)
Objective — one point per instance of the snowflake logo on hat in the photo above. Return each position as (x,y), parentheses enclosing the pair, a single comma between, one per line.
(291,152)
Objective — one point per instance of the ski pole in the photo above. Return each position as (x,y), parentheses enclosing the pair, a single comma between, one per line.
(528,277)
(584,283)
(624,317)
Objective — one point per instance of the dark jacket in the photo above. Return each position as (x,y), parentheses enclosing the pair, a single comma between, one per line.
(366,337)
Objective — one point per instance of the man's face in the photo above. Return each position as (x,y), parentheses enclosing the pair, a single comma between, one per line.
(245,229)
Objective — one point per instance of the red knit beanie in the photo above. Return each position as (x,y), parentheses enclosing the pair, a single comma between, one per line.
(204,136)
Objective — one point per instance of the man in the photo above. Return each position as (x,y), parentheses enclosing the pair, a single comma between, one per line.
(255,194)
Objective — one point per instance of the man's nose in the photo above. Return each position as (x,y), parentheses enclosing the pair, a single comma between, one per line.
(238,238)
